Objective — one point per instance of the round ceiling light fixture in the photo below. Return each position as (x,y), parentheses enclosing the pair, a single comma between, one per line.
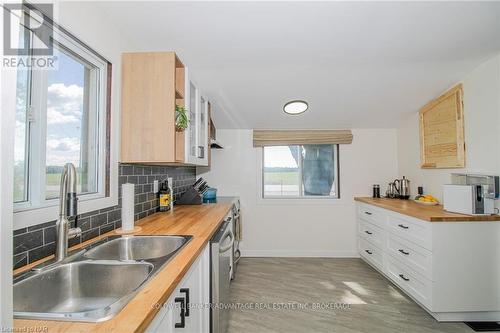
(295,107)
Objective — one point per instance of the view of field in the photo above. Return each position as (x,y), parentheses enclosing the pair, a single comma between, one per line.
(281,181)
(52,179)
(281,177)
(52,184)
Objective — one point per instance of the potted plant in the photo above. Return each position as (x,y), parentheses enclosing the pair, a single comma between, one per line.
(181,118)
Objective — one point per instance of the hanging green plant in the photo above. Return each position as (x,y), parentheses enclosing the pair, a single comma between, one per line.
(181,118)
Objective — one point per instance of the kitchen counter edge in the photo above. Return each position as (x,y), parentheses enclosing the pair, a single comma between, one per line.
(423,212)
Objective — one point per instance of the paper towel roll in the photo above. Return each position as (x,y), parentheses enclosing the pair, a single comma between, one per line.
(128,207)
(171,187)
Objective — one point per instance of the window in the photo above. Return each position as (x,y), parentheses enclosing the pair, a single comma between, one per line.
(61,117)
(301,171)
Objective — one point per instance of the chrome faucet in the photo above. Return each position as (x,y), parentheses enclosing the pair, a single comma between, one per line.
(67,209)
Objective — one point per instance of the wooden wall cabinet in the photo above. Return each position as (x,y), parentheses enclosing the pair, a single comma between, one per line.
(152,84)
(442,141)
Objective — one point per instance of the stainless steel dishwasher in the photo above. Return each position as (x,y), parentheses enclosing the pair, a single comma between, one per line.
(221,246)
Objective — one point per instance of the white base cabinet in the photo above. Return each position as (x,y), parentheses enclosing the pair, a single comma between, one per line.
(187,310)
(451,269)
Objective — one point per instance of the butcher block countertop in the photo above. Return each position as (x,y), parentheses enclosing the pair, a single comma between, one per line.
(200,221)
(422,212)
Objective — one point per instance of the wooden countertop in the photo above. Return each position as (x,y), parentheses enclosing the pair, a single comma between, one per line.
(426,213)
(200,221)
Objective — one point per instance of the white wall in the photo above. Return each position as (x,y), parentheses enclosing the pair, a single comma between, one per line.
(300,227)
(482,133)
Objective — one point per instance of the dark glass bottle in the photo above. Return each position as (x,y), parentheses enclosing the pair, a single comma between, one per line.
(165,197)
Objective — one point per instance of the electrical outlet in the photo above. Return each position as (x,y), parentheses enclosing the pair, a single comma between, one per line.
(155,186)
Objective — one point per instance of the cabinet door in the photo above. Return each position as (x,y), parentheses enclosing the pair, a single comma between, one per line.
(164,321)
(191,138)
(196,284)
(202,131)
(194,293)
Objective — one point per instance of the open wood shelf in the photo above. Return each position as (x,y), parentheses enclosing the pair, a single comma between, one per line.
(180,79)
(179,101)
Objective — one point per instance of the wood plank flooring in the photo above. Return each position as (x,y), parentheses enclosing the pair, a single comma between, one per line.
(374,304)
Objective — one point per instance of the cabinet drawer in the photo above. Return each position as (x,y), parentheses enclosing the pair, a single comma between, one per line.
(371,232)
(414,230)
(372,214)
(411,282)
(371,253)
(416,257)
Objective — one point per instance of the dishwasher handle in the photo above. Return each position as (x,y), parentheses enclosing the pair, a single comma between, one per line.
(229,234)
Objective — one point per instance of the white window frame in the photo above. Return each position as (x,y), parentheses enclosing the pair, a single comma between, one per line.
(38,209)
(301,197)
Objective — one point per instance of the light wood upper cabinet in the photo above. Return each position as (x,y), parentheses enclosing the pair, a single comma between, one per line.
(442,142)
(152,84)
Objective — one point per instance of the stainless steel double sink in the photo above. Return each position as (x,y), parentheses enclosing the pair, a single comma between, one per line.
(96,282)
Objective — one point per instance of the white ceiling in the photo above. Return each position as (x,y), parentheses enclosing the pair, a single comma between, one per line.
(359,65)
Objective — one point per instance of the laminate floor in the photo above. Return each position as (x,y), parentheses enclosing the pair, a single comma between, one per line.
(323,295)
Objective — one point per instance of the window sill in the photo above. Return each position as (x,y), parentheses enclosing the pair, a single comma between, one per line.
(30,217)
(305,201)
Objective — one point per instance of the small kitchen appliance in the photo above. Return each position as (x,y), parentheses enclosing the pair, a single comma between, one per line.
(392,191)
(468,199)
(399,188)
(472,194)
(404,188)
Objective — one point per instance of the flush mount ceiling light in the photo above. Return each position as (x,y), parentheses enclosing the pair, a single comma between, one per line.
(295,107)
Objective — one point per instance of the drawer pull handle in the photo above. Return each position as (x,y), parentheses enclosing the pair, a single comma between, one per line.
(368,251)
(182,324)
(403,226)
(403,277)
(369,232)
(404,252)
(188,305)
(368,213)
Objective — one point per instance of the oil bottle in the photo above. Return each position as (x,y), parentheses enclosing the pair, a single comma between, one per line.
(165,197)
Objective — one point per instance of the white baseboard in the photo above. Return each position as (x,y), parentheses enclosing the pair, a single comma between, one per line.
(466,316)
(299,254)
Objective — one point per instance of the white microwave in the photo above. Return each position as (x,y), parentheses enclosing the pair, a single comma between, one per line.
(467,199)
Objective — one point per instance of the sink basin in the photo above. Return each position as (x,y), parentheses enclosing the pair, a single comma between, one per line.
(96,282)
(137,248)
(82,290)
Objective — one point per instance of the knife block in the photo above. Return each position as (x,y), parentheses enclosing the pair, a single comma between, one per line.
(190,197)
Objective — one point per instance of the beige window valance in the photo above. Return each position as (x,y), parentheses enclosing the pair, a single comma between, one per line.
(300,137)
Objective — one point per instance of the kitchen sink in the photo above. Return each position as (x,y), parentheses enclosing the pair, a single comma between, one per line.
(137,248)
(94,283)
(83,289)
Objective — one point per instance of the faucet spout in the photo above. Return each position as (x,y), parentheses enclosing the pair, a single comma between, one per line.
(67,209)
